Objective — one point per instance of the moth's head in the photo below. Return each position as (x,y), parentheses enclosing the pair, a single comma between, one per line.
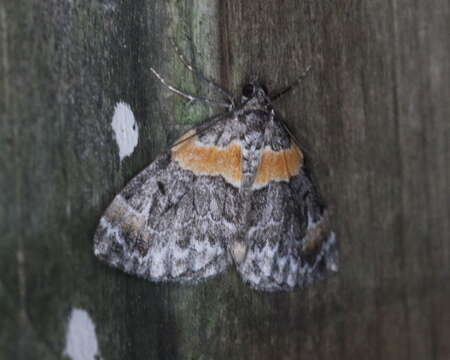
(255,93)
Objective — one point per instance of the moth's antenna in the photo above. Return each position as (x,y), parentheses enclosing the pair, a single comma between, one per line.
(291,86)
(200,75)
(189,96)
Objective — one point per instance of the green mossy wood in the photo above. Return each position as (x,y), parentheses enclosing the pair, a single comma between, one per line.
(373,116)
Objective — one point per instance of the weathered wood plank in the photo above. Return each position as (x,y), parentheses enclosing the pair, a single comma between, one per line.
(373,116)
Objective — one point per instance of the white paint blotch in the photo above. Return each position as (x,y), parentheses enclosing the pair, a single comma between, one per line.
(125,129)
(81,340)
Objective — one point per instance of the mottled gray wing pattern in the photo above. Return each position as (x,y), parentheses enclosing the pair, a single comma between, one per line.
(169,224)
(289,243)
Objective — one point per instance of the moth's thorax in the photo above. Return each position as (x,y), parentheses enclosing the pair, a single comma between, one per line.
(237,150)
(257,99)
(252,144)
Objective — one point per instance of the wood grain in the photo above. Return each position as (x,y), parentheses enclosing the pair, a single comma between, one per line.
(372,117)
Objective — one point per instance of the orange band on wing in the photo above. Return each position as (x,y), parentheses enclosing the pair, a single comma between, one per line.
(209,160)
(278,165)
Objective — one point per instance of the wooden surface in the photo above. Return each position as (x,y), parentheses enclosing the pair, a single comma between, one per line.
(373,115)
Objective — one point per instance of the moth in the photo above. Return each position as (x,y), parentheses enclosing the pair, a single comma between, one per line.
(233,191)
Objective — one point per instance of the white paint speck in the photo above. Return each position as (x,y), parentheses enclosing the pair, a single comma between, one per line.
(81,340)
(125,129)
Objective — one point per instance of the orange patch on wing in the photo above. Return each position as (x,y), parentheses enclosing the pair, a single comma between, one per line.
(209,160)
(278,165)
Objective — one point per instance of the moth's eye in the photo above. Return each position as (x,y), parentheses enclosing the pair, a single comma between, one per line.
(247,90)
